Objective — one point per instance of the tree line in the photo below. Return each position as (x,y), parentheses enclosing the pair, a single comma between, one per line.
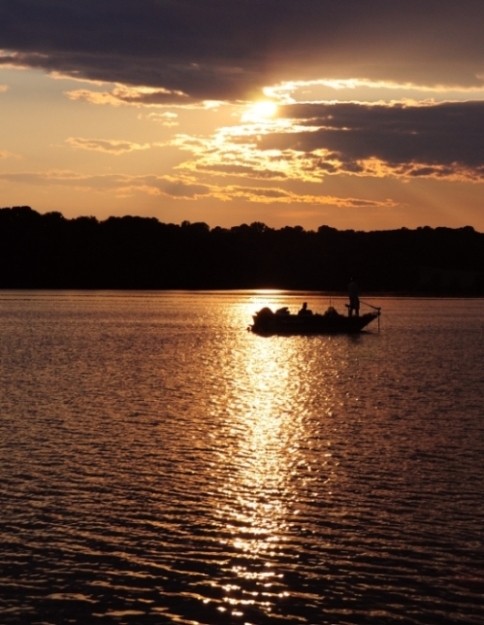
(48,251)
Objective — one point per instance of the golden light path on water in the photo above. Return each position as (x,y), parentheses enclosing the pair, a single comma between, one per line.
(265,415)
(257,516)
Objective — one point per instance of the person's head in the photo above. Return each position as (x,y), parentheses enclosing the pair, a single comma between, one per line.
(305,305)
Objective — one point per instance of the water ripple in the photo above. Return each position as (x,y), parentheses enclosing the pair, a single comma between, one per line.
(161,465)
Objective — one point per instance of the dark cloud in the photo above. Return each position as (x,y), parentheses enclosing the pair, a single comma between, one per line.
(181,189)
(440,140)
(216,49)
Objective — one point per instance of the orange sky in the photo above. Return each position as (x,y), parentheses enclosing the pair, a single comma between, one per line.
(365,117)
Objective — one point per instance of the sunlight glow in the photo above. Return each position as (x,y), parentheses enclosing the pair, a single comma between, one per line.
(259,111)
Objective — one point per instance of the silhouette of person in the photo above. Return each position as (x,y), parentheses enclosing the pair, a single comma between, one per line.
(354,299)
(305,310)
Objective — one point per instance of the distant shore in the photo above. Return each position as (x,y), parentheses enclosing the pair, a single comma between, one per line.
(122,253)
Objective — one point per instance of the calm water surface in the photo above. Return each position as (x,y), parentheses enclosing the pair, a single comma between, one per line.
(160,464)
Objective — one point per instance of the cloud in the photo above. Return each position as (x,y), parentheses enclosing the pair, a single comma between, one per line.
(276,195)
(185,187)
(236,169)
(442,140)
(141,97)
(130,96)
(108,146)
(168,119)
(63,178)
(182,187)
(104,182)
(219,50)
(310,141)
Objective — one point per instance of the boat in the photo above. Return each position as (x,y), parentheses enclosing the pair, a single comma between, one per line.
(267,322)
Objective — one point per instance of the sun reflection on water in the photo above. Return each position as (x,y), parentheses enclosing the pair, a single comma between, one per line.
(259,496)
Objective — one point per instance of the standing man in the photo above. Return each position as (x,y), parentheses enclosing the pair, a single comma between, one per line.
(354,299)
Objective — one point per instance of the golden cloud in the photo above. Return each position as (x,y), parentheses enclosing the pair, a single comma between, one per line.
(107,146)
(130,96)
(167,119)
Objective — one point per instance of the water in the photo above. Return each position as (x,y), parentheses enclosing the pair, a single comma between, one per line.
(160,464)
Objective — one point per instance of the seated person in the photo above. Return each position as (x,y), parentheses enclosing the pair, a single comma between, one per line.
(305,310)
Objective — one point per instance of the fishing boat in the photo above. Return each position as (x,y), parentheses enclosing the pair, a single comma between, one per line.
(268,322)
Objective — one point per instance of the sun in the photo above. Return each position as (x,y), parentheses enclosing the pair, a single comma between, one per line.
(259,111)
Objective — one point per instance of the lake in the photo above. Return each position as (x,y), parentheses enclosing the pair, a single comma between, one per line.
(161,464)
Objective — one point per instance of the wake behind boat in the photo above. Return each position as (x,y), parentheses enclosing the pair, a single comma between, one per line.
(331,322)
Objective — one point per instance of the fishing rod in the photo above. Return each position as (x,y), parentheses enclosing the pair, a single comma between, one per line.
(378,308)
(378,311)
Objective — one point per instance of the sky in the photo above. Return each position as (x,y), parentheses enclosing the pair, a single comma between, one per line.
(356,114)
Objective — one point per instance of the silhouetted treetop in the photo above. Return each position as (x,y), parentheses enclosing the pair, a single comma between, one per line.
(50,251)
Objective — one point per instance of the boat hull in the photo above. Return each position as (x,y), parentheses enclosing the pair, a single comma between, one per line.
(267,323)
